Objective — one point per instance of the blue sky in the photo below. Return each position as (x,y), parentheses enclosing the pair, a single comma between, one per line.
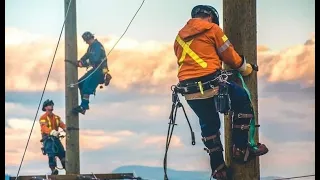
(134,109)
(159,20)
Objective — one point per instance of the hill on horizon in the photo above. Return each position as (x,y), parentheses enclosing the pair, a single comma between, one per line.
(157,173)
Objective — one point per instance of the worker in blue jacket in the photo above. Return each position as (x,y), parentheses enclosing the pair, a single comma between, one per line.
(99,73)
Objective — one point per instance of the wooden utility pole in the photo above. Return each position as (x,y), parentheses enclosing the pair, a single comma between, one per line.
(71,76)
(240,26)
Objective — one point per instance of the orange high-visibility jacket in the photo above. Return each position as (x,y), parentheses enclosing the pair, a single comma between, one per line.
(50,122)
(200,47)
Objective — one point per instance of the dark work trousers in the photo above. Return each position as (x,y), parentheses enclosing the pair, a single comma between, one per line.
(210,122)
(53,148)
(89,85)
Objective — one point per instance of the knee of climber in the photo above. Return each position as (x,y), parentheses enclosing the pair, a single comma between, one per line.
(52,161)
(237,94)
(90,86)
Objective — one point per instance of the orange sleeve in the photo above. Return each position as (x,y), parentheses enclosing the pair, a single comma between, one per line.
(62,125)
(225,49)
(43,125)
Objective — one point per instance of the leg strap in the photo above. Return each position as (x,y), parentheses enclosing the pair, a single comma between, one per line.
(209,151)
(241,135)
(213,137)
(237,117)
(212,143)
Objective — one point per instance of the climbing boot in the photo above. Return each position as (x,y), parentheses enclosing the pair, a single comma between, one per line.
(79,109)
(248,153)
(222,173)
(262,149)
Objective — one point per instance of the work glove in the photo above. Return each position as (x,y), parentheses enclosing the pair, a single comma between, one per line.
(54,133)
(245,69)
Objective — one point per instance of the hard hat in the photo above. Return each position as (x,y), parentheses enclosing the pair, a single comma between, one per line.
(87,35)
(47,103)
(207,10)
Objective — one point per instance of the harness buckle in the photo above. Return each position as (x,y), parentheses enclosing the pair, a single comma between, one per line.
(244,127)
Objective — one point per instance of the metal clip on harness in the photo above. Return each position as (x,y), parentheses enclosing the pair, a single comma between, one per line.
(173,114)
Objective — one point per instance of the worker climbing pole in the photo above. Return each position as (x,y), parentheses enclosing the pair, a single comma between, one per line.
(99,74)
(83,83)
(95,57)
(201,46)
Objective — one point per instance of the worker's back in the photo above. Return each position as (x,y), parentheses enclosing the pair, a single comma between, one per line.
(201,58)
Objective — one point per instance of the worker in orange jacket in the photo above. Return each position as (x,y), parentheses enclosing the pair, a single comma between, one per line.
(50,124)
(201,46)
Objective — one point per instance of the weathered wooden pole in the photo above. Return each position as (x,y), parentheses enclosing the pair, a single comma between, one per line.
(71,94)
(239,24)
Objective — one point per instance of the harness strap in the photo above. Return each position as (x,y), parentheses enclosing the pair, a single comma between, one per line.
(209,151)
(252,129)
(213,137)
(244,116)
(237,115)
(242,127)
(206,94)
(197,87)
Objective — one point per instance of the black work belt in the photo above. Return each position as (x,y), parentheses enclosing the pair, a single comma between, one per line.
(198,84)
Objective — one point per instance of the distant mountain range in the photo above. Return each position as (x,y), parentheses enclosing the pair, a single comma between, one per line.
(157,173)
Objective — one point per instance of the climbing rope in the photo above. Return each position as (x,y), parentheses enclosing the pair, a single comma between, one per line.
(173,114)
(252,129)
(45,85)
(66,15)
(55,148)
(105,59)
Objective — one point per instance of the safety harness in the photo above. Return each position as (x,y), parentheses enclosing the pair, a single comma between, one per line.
(213,88)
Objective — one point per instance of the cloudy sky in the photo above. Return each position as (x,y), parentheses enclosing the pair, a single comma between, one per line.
(127,121)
